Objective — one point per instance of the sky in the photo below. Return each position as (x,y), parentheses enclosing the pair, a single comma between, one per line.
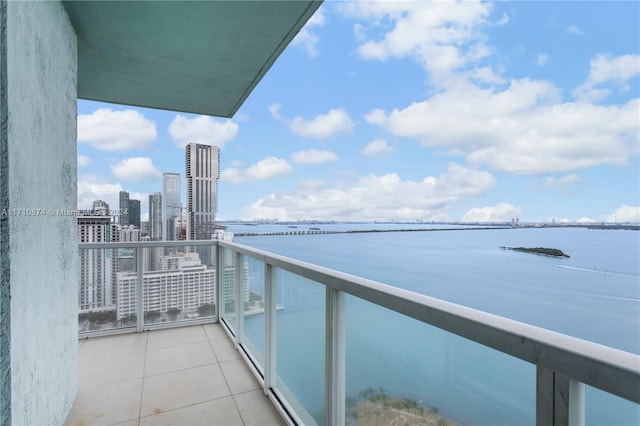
(410,111)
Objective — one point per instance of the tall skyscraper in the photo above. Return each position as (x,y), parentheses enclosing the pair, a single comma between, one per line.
(94,290)
(171,195)
(202,173)
(134,213)
(155,216)
(123,219)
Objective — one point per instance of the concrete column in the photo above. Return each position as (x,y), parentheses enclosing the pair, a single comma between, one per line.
(38,243)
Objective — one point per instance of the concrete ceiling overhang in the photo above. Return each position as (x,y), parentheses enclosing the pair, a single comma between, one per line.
(202,57)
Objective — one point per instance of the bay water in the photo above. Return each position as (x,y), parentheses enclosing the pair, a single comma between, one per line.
(593,295)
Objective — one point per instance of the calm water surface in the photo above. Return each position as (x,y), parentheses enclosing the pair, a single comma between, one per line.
(593,295)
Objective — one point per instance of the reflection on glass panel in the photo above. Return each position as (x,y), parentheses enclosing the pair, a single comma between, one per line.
(300,322)
(253,306)
(98,300)
(602,408)
(400,371)
(227,264)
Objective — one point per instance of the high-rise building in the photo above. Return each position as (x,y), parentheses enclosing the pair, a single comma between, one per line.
(202,173)
(123,219)
(181,282)
(155,216)
(133,213)
(171,207)
(94,290)
(101,208)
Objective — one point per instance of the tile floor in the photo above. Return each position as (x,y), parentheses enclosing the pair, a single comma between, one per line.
(180,376)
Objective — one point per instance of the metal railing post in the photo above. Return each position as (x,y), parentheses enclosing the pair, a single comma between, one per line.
(139,289)
(270,341)
(576,403)
(559,399)
(219,284)
(335,368)
(239,302)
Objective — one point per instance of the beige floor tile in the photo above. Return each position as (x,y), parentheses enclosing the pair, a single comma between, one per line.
(239,377)
(129,423)
(221,412)
(224,349)
(256,409)
(215,331)
(178,358)
(176,337)
(183,382)
(117,368)
(100,347)
(107,404)
(177,389)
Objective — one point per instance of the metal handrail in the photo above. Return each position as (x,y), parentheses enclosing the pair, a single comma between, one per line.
(603,367)
(611,370)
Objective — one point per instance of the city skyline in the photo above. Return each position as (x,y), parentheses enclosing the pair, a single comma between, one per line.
(411,111)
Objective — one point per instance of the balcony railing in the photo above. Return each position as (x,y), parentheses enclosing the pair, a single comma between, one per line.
(332,348)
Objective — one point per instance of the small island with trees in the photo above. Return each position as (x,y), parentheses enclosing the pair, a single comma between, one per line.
(543,251)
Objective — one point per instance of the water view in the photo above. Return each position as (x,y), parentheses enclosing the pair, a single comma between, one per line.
(594,295)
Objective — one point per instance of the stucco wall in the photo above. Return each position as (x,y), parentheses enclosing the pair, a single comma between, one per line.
(39,149)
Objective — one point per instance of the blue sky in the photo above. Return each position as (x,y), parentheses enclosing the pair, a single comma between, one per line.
(410,111)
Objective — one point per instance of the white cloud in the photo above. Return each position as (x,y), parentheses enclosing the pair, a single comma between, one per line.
(563,181)
(274,109)
(521,129)
(202,129)
(503,20)
(607,71)
(83,161)
(572,29)
(109,130)
(541,59)
(322,126)
(385,197)
(135,169)
(585,220)
(313,156)
(624,214)
(502,212)
(377,148)
(376,116)
(268,168)
(307,38)
(91,188)
(443,37)
(487,75)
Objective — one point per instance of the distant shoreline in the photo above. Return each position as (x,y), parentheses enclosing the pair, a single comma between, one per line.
(360,231)
(313,228)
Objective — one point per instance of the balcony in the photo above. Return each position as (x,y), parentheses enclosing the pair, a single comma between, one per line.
(330,348)
(189,375)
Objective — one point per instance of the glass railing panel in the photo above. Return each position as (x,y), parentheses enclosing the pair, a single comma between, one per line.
(605,409)
(179,284)
(228,267)
(300,322)
(252,273)
(403,371)
(100,305)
